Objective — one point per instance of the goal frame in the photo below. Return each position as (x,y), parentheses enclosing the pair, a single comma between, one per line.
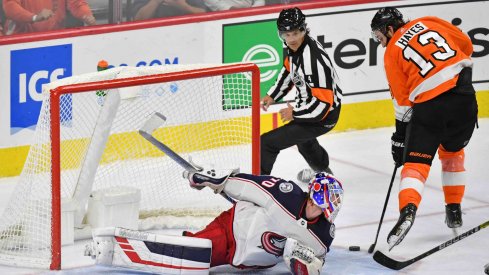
(55,95)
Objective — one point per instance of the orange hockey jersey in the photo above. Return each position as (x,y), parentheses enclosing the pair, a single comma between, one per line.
(423,60)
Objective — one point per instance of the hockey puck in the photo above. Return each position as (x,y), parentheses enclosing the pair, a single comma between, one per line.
(354,248)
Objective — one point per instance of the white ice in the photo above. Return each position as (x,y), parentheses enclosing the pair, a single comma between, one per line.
(362,161)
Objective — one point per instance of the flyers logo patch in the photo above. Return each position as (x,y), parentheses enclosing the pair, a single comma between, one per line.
(273,243)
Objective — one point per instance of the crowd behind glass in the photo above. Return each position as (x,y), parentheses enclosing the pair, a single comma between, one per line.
(26,16)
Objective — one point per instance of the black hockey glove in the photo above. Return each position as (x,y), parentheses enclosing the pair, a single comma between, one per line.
(397,141)
(397,149)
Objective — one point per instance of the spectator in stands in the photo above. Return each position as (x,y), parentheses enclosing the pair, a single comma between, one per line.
(43,15)
(146,9)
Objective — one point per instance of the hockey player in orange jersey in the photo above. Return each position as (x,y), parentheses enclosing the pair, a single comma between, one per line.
(429,70)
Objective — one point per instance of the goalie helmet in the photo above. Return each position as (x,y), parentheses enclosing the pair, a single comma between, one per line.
(387,17)
(291,19)
(327,193)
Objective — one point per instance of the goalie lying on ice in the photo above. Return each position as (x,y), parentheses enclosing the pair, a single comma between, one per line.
(273,220)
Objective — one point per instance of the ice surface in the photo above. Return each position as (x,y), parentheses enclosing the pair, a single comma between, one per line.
(362,161)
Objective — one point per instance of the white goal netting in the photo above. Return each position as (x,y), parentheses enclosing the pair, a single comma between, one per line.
(208,118)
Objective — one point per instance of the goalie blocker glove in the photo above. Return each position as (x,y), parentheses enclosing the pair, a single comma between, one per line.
(300,259)
(210,177)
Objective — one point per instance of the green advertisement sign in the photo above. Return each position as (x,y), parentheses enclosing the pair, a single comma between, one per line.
(256,42)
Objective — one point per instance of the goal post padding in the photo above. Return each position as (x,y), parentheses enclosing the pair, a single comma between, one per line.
(87,139)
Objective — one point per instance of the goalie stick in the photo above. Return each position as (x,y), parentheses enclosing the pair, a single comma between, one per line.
(155,121)
(382,259)
(147,130)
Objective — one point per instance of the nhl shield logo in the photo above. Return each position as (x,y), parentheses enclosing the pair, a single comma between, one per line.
(286,187)
(297,79)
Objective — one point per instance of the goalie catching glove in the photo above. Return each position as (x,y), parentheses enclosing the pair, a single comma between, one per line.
(300,259)
(208,176)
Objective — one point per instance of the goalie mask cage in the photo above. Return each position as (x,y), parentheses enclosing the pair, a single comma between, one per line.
(87,139)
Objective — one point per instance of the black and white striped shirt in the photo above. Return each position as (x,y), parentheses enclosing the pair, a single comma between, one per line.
(316,83)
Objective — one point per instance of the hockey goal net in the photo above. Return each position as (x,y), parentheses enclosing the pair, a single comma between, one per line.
(87,139)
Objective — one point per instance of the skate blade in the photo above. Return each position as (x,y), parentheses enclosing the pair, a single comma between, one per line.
(394,241)
(397,239)
(393,244)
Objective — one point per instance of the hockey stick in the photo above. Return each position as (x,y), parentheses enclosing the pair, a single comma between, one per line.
(147,130)
(372,247)
(382,259)
(155,121)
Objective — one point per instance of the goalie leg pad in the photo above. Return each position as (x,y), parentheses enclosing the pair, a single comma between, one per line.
(150,252)
(219,231)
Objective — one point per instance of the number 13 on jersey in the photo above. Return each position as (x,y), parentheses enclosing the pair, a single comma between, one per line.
(422,56)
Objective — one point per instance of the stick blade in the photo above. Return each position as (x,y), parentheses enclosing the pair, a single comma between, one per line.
(382,259)
(152,123)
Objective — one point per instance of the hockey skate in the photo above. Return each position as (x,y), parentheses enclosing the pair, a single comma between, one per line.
(453,217)
(306,175)
(400,230)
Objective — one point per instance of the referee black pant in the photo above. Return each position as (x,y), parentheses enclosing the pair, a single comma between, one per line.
(300,134)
